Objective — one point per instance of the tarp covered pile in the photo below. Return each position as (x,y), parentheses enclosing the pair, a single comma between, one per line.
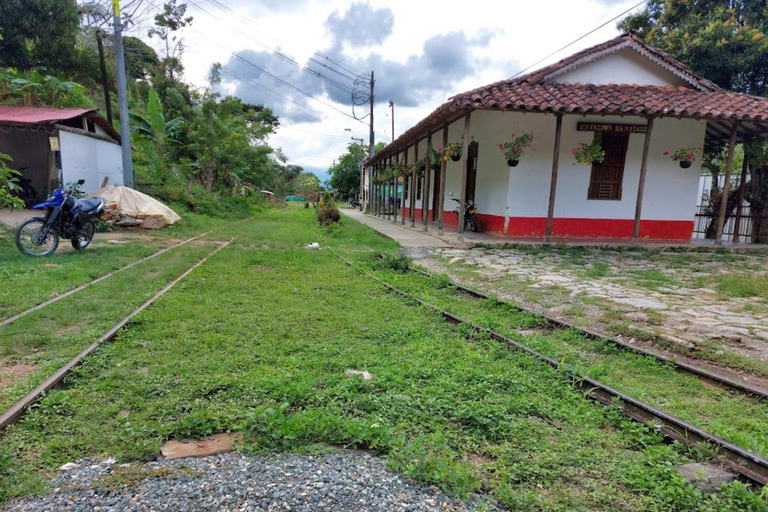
(128,207)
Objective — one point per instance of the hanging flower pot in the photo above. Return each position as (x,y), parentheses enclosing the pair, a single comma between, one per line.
(514,149)
(590,154)
(451,150)
(685,156)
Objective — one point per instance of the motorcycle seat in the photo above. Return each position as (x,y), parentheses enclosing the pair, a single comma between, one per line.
(89,205)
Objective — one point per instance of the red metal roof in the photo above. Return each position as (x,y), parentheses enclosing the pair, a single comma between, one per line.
(536,92)
(20,116)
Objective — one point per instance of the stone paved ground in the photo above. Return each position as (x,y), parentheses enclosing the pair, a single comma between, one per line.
(678,295)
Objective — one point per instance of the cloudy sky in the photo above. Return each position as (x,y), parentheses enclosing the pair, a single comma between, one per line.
(422,52)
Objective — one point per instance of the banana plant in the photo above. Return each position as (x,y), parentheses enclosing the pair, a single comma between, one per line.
(157,133)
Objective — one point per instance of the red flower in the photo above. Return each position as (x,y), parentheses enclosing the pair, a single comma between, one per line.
(689,155)
(666,153)
(531,132)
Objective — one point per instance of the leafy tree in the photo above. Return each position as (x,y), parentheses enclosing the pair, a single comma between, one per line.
(726,42)
(167,24)
(38,33)
(140,59)
(723,40)
(305,184)
(228,139)
(345,175)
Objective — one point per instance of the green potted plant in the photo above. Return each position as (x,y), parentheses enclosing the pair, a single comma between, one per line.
(515,148)
(592,153)
(686,156)
(451,150)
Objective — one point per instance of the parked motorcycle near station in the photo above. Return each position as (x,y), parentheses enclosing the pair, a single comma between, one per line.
(470,213)
(65,217)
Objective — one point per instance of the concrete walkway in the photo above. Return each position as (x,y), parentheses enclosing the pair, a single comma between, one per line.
(405,236)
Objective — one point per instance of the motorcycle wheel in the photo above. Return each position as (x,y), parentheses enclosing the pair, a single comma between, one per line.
(83,237)
(30,243)
(472,224)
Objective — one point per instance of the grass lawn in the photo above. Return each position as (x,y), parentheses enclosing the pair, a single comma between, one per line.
(258,340)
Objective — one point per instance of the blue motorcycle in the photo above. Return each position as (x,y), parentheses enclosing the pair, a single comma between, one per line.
(65,217)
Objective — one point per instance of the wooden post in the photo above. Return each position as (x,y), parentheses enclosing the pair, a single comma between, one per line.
(413,184)
(740,200)
(726,186)
(425,189)
(443,165)
(389,185)
(393,194)
(553,181)
(403,163)
(463,178)
(641,182)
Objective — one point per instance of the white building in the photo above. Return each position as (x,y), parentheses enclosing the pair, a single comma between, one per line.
(55,145)
(639,98)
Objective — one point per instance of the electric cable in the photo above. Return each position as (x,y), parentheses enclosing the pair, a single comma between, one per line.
(577,40)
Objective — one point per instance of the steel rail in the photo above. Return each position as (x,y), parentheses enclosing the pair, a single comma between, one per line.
(12,414)
(66,294)
(709,376)
(743,462)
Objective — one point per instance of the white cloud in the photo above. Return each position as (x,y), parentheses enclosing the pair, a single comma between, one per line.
(516,34)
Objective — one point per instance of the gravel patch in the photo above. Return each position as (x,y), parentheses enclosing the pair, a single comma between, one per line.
(237,482)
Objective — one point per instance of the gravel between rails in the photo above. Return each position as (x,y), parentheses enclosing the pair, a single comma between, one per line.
(235,482)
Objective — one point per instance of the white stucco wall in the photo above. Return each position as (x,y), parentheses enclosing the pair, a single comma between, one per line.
(622,67)
(523,191)
(90,159)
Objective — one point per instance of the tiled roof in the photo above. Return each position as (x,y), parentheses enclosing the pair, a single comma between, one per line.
(619,43)
(536,93)
(615,99)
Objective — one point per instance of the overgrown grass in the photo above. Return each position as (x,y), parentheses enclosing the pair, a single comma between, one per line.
(740,285)
(732,417)
(266,323)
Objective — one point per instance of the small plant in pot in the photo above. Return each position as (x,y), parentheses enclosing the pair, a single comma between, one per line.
(592,153)
(515,148)
(686,156)
(452,150)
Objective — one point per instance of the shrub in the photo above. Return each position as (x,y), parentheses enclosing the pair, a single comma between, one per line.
(396,262)
(328,215)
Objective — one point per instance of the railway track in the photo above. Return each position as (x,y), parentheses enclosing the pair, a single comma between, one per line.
(66,294)
(12,414)
(713,378)
(748,465)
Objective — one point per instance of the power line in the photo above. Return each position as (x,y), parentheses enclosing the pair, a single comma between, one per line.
(247,19)
(272,94)
(274,51)
(577,40)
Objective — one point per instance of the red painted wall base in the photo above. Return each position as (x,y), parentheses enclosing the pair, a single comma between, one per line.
(572,227)
(600,228)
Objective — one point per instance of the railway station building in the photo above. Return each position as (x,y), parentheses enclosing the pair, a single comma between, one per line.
(636,102)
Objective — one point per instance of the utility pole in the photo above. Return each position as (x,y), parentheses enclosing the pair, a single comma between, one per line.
(122,96)
(370,152)
(104,82)
(392,106)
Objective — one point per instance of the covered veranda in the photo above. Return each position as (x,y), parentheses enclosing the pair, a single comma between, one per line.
(730,119)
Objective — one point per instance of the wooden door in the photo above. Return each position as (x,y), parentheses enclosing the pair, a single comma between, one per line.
(606,179)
